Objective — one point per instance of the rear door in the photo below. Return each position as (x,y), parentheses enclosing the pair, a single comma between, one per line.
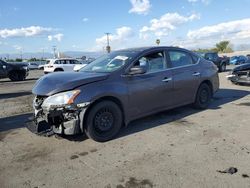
(150,92)
(186,76)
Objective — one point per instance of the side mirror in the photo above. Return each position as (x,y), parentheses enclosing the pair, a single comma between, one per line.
(137,70)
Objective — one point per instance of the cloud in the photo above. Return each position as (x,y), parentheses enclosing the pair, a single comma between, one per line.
(25,32)
(85,19)
(17,47)
(140,6)
(206,2)
(237,32)
(239,29)
(57,37)
(117,40)
(165,24)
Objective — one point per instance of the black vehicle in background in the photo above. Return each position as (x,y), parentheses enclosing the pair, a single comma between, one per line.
(13,71)
(220,62)
(240,74)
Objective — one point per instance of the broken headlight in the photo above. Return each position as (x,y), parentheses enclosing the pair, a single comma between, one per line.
(60,99)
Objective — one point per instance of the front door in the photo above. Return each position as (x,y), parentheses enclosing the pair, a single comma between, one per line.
(151,91)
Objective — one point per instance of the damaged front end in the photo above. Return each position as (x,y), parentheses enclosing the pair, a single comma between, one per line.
(58,114)
(240,74)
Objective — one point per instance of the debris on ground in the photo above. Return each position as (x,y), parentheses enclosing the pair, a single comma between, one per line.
(245,176)
(231,170)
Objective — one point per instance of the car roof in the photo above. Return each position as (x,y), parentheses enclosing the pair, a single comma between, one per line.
(149,48)
(54,59)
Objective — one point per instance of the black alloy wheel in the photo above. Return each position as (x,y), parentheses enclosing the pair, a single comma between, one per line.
(104,121)
(203,97)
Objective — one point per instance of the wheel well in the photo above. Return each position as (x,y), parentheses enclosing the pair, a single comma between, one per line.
(106,98)
(208,82)
(58,69)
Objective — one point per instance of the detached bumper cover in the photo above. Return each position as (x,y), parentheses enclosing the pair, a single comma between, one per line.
(240,79)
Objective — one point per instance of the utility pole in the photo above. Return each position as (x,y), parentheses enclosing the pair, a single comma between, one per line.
(43,53)
(21,55)
(54,49)
(108,48)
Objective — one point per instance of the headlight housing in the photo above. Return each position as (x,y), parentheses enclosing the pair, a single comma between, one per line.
(60,99)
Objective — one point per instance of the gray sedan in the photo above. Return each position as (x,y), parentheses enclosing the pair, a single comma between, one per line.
(120,87)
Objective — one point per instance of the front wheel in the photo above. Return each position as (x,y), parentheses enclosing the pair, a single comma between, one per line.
(17,76)
(203,97)
(103,121)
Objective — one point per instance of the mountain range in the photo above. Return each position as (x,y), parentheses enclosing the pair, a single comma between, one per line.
(46,55)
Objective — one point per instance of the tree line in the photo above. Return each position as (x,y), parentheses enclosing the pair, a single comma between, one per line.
(221,47)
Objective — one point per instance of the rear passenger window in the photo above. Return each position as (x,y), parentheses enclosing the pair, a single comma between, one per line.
(179,58)
(195,58)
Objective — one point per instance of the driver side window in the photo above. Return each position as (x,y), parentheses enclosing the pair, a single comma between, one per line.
(153,62)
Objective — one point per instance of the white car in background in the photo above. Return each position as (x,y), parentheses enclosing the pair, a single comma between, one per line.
(62,64)
(32,65)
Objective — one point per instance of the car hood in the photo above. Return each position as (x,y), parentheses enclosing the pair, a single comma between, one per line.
(58,82)
(242,67)
(18,64)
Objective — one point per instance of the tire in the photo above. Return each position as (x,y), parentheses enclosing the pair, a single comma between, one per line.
(104,121)
(203,97)
(223,67)
(17,76)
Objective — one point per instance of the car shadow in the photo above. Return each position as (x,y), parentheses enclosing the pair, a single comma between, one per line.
(13,95)
(223,96)
(14,122)
(23,81)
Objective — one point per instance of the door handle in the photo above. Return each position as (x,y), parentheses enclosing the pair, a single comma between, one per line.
(167,79)
(196,74)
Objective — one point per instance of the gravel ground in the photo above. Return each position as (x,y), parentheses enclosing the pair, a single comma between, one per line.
(177,148)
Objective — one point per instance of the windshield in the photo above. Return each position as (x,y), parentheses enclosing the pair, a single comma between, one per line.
(109,62)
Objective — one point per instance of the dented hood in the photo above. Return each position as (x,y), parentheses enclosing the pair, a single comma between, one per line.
(64,81)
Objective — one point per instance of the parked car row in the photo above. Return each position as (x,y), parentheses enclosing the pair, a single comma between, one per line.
(238,60)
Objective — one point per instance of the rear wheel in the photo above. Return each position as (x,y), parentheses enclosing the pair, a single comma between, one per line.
(103,121)
(203,97)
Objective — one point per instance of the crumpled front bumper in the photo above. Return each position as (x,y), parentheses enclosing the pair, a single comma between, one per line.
(63,120)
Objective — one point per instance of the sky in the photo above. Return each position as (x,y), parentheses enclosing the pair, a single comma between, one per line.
(80,25)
